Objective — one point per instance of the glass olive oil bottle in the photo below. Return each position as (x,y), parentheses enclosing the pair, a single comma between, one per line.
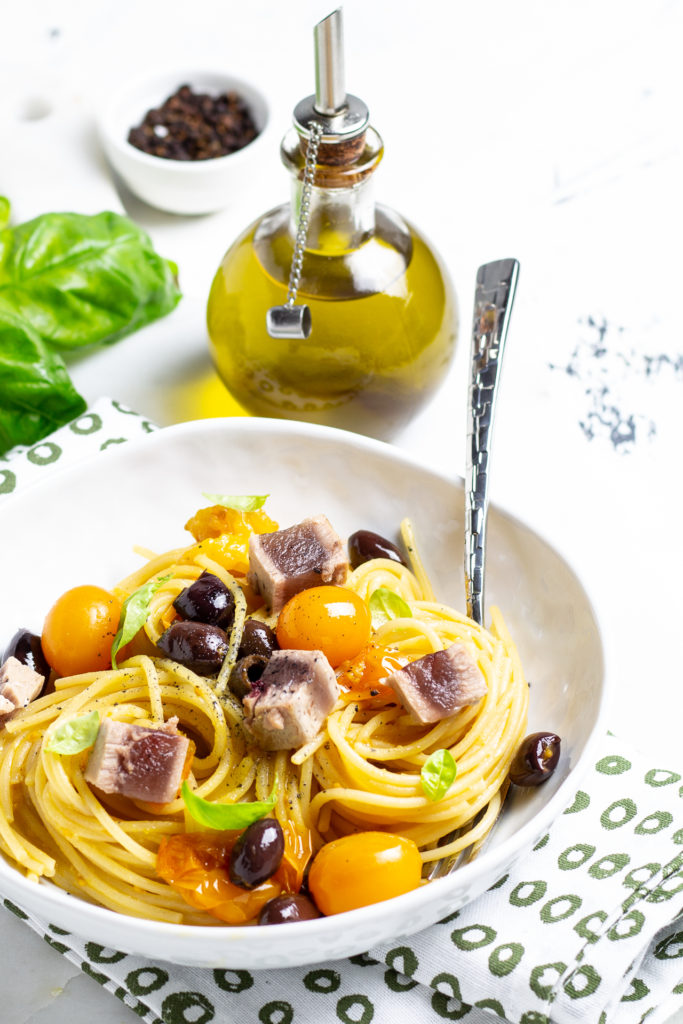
(383,317)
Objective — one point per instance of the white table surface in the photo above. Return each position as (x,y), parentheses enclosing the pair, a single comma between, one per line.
(549,132)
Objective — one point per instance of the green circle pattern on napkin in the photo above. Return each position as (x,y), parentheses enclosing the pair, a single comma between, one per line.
(107,423)
(587,927)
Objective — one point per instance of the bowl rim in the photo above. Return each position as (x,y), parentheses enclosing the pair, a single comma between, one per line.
(113,140)
(490,861)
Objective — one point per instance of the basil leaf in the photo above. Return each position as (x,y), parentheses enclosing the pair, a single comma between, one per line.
(386,605)
(36,394)
(241,502)
(227,817)
(134,614)
(438,773)
(75,735)
(78,280)
(66,281)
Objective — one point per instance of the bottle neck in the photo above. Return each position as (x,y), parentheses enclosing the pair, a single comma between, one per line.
(342,207)
(341,219)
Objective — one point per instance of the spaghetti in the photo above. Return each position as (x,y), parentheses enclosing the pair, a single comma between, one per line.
(363,770)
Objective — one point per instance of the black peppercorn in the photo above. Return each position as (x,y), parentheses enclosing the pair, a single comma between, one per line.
(195,126)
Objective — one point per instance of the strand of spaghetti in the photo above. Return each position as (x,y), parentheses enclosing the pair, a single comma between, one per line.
(472,836)
(102,891)
(23,851)
(290,791)
(109,825)
(401,632)
(287,789)
(496,806)
(152,681)
(6,773)
(161,612)
(308,749)
(144,552)
(384,572)
(305,784)
(361,771)
(436,737)
(408,537)
(94,853)
(200,684)
(263,784)
(228,705)
(378,720)
(154,568)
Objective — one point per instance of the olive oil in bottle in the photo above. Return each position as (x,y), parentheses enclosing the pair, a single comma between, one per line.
(381,320)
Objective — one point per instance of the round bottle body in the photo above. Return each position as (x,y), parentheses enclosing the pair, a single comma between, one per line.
(384,324)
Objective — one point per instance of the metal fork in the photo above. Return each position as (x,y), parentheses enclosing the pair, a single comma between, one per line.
(493,299)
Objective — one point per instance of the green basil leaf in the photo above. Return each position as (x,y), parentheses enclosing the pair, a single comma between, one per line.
(134,614)
(386,605)
(75,735)
(66,281)
(438,774)
(240,502)
(78,279)
(227,817)
(36,394)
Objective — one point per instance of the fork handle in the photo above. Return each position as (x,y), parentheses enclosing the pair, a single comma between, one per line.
(494,295)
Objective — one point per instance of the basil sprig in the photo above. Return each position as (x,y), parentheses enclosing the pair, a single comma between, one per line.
(67,281)
(240,502)
(438,774)
(134,614)
(386,605)
(227,817)
(75,735)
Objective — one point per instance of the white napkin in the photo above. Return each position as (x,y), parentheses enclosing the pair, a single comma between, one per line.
(588,926)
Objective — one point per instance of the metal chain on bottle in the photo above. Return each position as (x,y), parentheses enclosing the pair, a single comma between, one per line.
(304,212)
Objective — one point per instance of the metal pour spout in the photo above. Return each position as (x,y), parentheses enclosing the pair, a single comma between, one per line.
(340,115)
(328,38)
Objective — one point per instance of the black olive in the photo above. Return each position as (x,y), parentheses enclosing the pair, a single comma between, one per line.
(536,759)
(247,671)
(257,638)
(257,853)
(196,645)
(207,600)
(364,545)
(26,648)
(289,907)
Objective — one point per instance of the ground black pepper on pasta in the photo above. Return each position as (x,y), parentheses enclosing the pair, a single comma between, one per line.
(361,773)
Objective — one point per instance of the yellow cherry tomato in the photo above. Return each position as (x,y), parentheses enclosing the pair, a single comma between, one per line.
(80,629)
(195,864)
(333,620)
(363,868)
(363,678)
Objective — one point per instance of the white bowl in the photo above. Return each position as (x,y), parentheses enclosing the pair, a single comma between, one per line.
(180,186)
(80,526)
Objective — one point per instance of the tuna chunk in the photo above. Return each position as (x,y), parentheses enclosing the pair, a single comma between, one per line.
(306,555)
(439,684)
(7,708)
(140,763)
(19,684)
(286,707)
